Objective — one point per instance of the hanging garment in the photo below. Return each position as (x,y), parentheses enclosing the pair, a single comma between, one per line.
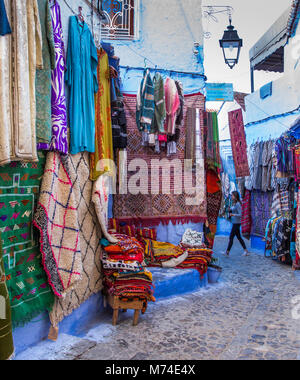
(59,141)
(179,118)
(212,142)
(4,24)
(246,215)
(145,106)
(172,105)
(81,77)
(160,105)
(43,79)
(284,154)
(265,163)
(258,166)
(190,136)
(238,143)
(249,179)
(119,127)
(6,338)
(103,125)
(271,169)
(20,56)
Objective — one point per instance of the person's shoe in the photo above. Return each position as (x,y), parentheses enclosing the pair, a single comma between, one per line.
(246,253)
(226,254)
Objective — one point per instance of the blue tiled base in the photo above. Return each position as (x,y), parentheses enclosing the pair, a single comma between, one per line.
(171,282)
(224,227)
(258,243)
(75,324)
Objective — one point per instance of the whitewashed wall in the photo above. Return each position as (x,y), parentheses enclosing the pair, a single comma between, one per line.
(168,31)
(285,98)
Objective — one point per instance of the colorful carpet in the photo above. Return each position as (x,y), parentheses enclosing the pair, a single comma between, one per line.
(246,215)
(27,282)
(90,235)
(57,220)
(261,205)
(214,201)
(148,209)
(6,339)
(238,143)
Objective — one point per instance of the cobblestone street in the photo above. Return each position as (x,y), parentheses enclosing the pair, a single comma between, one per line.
(247,316)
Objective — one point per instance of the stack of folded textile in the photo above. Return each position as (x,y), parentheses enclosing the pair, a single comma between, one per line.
(162,254)
(197,259)
(124,272)
(198,255)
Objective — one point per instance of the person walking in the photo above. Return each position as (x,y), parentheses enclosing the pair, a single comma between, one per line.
(236,217)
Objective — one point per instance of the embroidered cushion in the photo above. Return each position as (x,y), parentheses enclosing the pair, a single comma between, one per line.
(192,238)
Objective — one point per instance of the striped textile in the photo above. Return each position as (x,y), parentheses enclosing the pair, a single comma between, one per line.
(246,215)
(145,104)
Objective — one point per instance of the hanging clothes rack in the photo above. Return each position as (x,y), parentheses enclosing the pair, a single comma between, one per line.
(156,69)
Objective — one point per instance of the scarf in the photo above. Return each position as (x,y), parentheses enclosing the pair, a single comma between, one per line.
(172,105)
(145,104)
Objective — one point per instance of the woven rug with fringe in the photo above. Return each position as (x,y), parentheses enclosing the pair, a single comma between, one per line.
(6,338)
(145,210)
(56,218)
(238,143)
(29,291)
(89,234)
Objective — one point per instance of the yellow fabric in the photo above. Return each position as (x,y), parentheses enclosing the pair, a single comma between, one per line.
(21,55)
(104,140)
(165,249)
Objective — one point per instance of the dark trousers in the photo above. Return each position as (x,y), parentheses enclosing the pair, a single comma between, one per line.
(236,232)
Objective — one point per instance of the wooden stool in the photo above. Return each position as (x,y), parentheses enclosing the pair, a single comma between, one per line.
(116,304)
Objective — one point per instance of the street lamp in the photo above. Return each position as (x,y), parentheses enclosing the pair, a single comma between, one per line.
(231,45)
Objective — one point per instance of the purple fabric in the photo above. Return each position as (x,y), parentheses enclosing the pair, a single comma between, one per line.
(261,205)
(59,110)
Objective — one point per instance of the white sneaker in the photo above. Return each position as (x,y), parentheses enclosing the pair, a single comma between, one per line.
(246,253)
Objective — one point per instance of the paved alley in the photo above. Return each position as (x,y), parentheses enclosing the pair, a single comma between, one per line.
(247,316)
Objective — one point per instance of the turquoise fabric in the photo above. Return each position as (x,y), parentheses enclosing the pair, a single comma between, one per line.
(81,77)
(4,24)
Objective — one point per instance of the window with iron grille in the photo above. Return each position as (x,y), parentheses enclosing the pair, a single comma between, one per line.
(120,20)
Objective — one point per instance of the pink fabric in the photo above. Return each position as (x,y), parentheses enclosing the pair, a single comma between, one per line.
(172,105)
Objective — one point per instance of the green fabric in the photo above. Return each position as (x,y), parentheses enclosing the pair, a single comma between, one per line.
(43,77)
(215,144)
(6,339)
(26,280)
(158,124)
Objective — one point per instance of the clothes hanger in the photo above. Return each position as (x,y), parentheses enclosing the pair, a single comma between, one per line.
(80,15)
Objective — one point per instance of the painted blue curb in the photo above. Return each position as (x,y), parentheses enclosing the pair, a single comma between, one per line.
(171,282)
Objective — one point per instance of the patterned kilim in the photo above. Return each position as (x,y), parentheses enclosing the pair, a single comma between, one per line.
(27,282)
(238,143)
(6,339)
(261,205)
(148,209)
(246,215)
(57,219)
(90,235)
(214,200)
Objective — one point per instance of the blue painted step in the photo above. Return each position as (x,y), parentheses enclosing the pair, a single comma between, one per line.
(172,282)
